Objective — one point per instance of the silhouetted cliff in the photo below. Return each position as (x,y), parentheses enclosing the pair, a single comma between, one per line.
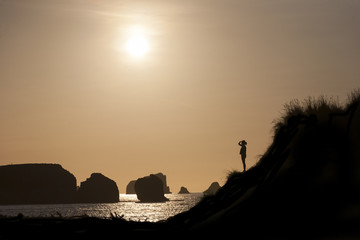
(35,184)
(50,183)
(98,189)
(150,189)
(183,190)
(130,188)
(163,179)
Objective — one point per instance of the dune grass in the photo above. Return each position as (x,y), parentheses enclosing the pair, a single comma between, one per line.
(320,108)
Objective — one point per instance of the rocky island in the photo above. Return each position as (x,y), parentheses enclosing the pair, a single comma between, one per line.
(163,179)
(150,189)
(183,190)
(98,189)
(130,188)
(36,184)
(40,183)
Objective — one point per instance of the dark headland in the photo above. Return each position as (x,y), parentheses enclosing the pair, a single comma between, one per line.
(306,185)
(36,184)
(40,183)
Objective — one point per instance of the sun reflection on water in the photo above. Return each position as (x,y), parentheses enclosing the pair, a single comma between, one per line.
(129,208)
(153,212)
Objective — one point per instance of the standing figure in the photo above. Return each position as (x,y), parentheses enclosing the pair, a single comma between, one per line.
(243,144)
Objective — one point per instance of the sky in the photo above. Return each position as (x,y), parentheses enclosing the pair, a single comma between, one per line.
(208,74)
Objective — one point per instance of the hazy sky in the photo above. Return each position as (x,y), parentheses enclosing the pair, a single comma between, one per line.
(216,72)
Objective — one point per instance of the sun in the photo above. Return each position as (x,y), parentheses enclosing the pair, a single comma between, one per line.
(137,44)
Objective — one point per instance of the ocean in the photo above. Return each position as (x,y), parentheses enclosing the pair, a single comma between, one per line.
(129,208)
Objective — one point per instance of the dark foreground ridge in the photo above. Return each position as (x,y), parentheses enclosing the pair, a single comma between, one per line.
(306,185)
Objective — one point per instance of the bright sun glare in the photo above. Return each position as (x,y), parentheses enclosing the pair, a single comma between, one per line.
(137,45)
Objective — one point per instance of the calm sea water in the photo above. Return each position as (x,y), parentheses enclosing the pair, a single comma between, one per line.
(129,207)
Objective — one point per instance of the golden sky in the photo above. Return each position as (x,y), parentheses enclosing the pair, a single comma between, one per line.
(204,75)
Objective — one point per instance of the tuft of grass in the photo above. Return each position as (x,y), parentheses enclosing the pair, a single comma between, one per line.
(320,107)
(353,97)
(231,174)
(116,216)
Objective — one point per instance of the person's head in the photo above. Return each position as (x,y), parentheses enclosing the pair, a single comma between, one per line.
(243,142)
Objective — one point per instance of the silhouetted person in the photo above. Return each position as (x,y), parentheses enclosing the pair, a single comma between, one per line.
(243,144)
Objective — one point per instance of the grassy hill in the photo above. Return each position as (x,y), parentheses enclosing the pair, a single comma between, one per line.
(307,182)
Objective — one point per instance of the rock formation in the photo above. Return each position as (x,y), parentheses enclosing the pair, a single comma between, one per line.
(183,190)
(98,189)
(150,189)
(40,183)
(36,184)
(130,188)
(163,179)
(214,187)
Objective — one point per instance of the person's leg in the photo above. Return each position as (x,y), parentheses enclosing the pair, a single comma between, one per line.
(243,161)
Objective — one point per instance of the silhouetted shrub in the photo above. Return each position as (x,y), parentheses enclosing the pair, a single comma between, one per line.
(353,97)
(319,107)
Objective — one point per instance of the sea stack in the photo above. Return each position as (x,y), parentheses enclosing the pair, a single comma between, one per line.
(183,190)
(98,189)
(150,189)
(163,179)
(130,188)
